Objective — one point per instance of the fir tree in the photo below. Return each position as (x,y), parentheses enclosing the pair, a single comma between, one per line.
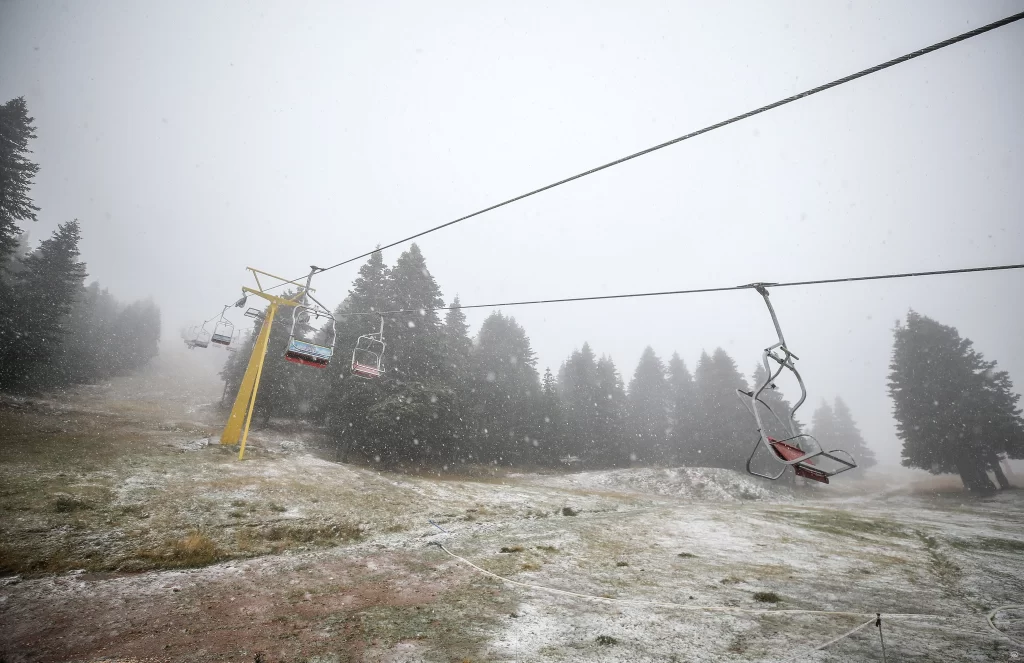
(611,448)
(16,173)
(454,427)
(414,338)
(578,386)
(954,413)
(848,437)
(648,408)
(726,431)
(682,408)
(47,288)
(342,400)
(551,428)
(506,392)
(823,424)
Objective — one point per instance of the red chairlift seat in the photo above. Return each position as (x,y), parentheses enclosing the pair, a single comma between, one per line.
(364,371)
(787,452)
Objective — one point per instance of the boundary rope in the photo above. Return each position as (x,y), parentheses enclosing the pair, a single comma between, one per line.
(990,620)
(875,619)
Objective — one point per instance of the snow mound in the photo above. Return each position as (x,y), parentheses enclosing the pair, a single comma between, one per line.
(695,483)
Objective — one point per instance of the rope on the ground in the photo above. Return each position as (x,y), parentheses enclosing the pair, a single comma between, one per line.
(991,621)
(876,620)
(661,604)
(829,643)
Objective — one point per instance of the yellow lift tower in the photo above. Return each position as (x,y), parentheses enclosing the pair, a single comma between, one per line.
(236,431)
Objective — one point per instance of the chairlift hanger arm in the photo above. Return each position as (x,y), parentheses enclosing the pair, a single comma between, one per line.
(257,272)
(283,301)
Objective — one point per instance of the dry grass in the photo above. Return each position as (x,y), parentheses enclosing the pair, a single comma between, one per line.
(193,550)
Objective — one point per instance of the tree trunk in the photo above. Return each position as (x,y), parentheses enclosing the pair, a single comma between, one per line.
(1004,483)
(972,473)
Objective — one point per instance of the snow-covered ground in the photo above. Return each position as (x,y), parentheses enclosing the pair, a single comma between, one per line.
(309,559)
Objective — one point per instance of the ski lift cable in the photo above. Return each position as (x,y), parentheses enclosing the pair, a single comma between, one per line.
(757,111)
(693,291)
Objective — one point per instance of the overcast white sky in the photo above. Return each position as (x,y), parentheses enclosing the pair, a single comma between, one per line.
(193,139)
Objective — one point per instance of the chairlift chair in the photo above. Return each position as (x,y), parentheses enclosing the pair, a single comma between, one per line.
(200,337)
(223,331)
(303,352)
(796,450)
(234,341)
(366,356)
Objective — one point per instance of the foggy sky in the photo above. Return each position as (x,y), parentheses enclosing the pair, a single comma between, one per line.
(194,139)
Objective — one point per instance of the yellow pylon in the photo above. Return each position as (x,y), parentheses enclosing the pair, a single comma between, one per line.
(236,431)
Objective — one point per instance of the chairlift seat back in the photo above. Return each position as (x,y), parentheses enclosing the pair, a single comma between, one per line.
(221,339)
(308,354)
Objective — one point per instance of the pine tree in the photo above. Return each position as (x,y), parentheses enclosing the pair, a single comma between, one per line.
(954,413)
(611,448)
(726,431)
(16,173)
(46,291)
(454,421)
(648,409)
(848,437)
(682,408)
(138,336)
(343,400)
(414,339)
(823,424)
(455,343)
(578,386)
(507,390)
(551,430)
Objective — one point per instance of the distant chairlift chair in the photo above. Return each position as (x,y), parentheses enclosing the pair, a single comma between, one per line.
(223,331)
(796,449)
(366,356)
(197,337)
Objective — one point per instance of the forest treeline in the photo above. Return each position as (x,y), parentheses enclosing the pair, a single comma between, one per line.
(54,330)
(450,398)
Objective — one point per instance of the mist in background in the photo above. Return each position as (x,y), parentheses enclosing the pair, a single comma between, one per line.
(194,139)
